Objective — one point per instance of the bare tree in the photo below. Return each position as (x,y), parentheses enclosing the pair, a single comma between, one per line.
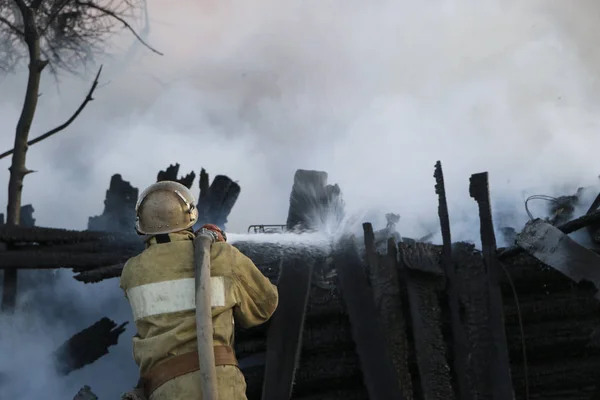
(61,35)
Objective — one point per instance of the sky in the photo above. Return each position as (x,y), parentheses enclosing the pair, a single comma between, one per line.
(374,93)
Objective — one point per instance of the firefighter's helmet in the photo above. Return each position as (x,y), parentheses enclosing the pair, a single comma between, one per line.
(165,207)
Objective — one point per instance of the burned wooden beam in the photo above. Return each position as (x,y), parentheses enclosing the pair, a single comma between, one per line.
(266,255)
(499,362)
(87,346)
(99,274)
(51,236)
(377,366)
(284,339)
(313,203)
(27,219)
(85,393)
(133,246)
(424,280)
(474,300)
(385,282)
(555,249)
(216,203)
(204,184)
(51,260)
(119,208)
(460,348)
(568,227)
(171,174)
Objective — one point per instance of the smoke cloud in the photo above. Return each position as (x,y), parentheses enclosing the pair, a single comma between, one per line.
(371,92)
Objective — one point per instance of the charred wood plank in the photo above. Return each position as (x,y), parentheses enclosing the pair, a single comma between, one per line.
(460,348)
(284,339)
(566,378)
(320,335)
(20,234)
(499,361)
(100,246)
(119,208)
(388,299)
(171,174)
(87,346)
(85,393)
(265,255)
(555,249)
(560,306)
(99,274)
(376,362)
(318,373)
(313,203)
(48,260)
(419,261)
(215,206)
(568,227)
(573,338)
(474,300)
(26,218)
(204,185)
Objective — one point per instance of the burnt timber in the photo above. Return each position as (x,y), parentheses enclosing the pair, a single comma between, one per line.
(549,320)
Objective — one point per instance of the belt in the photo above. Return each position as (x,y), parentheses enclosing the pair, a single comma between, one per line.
(180,365)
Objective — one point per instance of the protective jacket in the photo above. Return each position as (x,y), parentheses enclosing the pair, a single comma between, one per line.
(159,284)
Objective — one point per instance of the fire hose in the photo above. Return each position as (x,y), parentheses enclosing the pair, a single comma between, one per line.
(204,327)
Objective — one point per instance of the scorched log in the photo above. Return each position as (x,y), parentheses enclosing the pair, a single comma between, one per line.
(383,273)
(87,346)
(51,260)
(424,283)
(20,234)
(171,173)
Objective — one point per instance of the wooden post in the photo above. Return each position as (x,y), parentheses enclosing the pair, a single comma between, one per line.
(376,361)
(499,366)
(459,337)
(284,340)
(424,280)
(388,299)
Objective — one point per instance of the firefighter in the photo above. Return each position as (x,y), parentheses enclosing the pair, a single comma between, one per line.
(159,284)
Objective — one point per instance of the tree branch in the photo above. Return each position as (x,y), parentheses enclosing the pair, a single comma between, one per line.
(121,20)
(52,17)
(35,4)
(68,122)
(21,4)
(11,26)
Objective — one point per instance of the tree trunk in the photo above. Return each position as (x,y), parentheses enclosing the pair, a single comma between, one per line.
(17,168)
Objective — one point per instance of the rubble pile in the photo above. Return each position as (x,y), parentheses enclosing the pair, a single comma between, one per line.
(378,301)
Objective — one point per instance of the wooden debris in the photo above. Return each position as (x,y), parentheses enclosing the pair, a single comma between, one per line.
(87,346)
(576,224)
(52,260)
(26,216)
(216,203)
(171,173)
(424,283)
(460,348)
(313,202)
(284,339)
(119,208)
(388,296)
(499,365)
(557,250)
(85,393)
(99,274)
(376,362)
(51,236)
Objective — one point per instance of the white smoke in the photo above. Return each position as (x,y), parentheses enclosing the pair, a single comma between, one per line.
(371,92)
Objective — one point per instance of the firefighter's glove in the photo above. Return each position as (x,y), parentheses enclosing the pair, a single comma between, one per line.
(214,231)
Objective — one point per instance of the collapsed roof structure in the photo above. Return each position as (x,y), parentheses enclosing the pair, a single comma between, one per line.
(377,318)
